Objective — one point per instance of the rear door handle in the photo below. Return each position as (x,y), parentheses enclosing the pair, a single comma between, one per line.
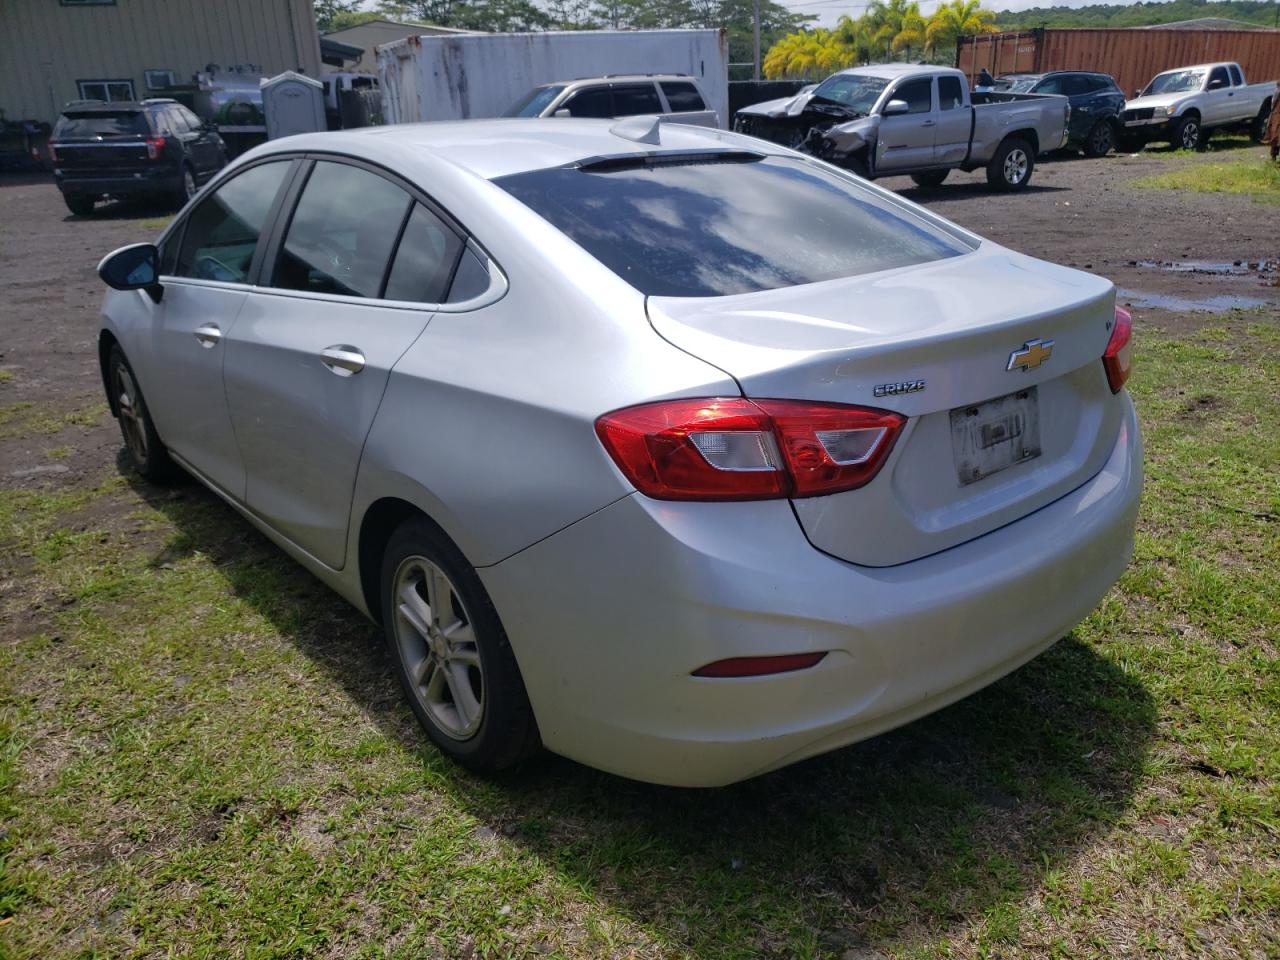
(208,334)
(342,359)
(927,123)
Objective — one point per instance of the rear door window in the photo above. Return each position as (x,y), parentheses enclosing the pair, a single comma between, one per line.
(1237,79)
(592,102)
(630,99)
(340,237)
(917,93)
(222,232)
(950,94)
(425,259)
(728,222)
(682,97)
(81,126)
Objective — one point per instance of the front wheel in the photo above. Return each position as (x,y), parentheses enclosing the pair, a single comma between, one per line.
(1011,167)
(1187,134)
(453,657)
(1100,140)
(147,454)
(929,178)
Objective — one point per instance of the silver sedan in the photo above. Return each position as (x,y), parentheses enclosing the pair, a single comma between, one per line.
(668,449)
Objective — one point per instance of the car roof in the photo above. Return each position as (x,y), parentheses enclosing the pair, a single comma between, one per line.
(497,148)
(614,77)
(896,70)
(116,106)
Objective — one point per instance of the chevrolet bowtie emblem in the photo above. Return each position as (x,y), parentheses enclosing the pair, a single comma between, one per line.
(1032,354)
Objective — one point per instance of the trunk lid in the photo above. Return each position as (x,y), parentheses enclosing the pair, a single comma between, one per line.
(101,139)
(967,461)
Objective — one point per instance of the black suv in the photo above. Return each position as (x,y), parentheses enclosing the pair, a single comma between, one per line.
(1096,104)
(156,147)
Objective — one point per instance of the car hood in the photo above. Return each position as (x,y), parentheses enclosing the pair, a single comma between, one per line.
(1160,100)
(791,106)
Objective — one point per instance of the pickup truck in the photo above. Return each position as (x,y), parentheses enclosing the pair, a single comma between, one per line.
(1184,106)
(921,121)
(675,97)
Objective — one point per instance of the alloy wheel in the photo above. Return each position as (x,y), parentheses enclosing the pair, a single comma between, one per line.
(1015,167)
(1101,139)
(436,641)
(132,412)
(1190,135)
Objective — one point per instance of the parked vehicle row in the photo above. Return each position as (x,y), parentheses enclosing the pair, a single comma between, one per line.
(923,121)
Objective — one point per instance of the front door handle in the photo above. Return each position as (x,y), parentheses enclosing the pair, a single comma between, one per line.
(927,123)
(208,334)
(342,359)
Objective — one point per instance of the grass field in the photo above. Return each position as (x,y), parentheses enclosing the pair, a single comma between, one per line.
(204,754)
(1257,177)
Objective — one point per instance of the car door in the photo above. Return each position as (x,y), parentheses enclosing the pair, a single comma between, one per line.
(906,140)
(594,102)
(206,146)
(207,261)
(355,269)
(1217,97)
(1237,101)
(951,140)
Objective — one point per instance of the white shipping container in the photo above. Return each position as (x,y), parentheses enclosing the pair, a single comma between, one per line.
(471,76)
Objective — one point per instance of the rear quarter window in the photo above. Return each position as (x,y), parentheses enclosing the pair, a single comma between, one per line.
(701,228)
(683,97)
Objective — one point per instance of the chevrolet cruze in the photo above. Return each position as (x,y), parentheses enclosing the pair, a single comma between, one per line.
(668,449)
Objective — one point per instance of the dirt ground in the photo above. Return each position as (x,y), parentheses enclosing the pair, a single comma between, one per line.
(1077,212)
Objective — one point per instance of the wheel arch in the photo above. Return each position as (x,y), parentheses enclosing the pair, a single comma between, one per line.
(378,522)
(1026,134)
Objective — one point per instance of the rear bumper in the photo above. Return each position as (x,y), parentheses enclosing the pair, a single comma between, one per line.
(609,617)
(119,184)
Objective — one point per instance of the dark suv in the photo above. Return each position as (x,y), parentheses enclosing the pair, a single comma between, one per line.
(1096,104)
(156,147)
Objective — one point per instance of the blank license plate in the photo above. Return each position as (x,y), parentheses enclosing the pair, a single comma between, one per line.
(988,437)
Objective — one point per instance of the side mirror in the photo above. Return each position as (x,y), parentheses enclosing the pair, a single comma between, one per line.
(136,267)
(895,107)
(562,112)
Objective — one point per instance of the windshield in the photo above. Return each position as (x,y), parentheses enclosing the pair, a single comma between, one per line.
(1016,84)
(718,224)
(534,102)
(1175,81)
(857,93)
(85,125)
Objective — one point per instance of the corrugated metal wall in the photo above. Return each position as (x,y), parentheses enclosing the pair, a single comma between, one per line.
(1132,56)
(46,46)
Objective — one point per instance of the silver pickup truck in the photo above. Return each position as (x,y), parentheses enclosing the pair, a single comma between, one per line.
(895,119)
(1183,106)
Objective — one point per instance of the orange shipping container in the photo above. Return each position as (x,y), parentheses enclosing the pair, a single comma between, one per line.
(1132,56)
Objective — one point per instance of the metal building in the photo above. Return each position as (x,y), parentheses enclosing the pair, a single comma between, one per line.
(59,50)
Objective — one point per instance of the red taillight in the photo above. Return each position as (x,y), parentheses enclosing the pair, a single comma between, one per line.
(730,448)
(1118,358)
(760,666)
(155,146)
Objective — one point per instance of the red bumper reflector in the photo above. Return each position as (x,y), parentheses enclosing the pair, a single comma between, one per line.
(760,666)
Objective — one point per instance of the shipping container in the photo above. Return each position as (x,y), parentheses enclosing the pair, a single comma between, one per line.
(482,75)
(1132,56)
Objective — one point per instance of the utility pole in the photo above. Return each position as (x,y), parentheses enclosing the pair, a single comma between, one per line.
(755,30)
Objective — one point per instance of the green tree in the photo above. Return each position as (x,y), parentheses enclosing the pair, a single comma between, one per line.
(328,10)
(960,18)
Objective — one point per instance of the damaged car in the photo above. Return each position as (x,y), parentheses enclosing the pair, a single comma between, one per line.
(919,121)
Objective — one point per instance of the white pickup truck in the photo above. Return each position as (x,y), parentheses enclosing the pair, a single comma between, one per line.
(1183,106)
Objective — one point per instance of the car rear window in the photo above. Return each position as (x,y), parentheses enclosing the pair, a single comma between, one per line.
(123,124)
(726,223)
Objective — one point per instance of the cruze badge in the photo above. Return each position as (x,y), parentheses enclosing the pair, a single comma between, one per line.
(902,386)
(1032,354)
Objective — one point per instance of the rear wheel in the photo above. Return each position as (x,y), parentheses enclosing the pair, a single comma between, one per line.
(1011,167)
(453,657)
(78,204)
(147,454)
(1100,140)
(930,178)
(1187,134)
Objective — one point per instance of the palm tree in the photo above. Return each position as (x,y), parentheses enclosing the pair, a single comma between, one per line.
(959,18)
(911,30)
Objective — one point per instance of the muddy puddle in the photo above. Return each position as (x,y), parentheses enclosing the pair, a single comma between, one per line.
(1162,301)
(1266,272)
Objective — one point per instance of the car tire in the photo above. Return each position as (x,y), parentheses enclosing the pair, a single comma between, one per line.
(929,178)
(79,204)
(1100,139)
(452,654)
(1012,165)
(146,452)
(1188,134)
